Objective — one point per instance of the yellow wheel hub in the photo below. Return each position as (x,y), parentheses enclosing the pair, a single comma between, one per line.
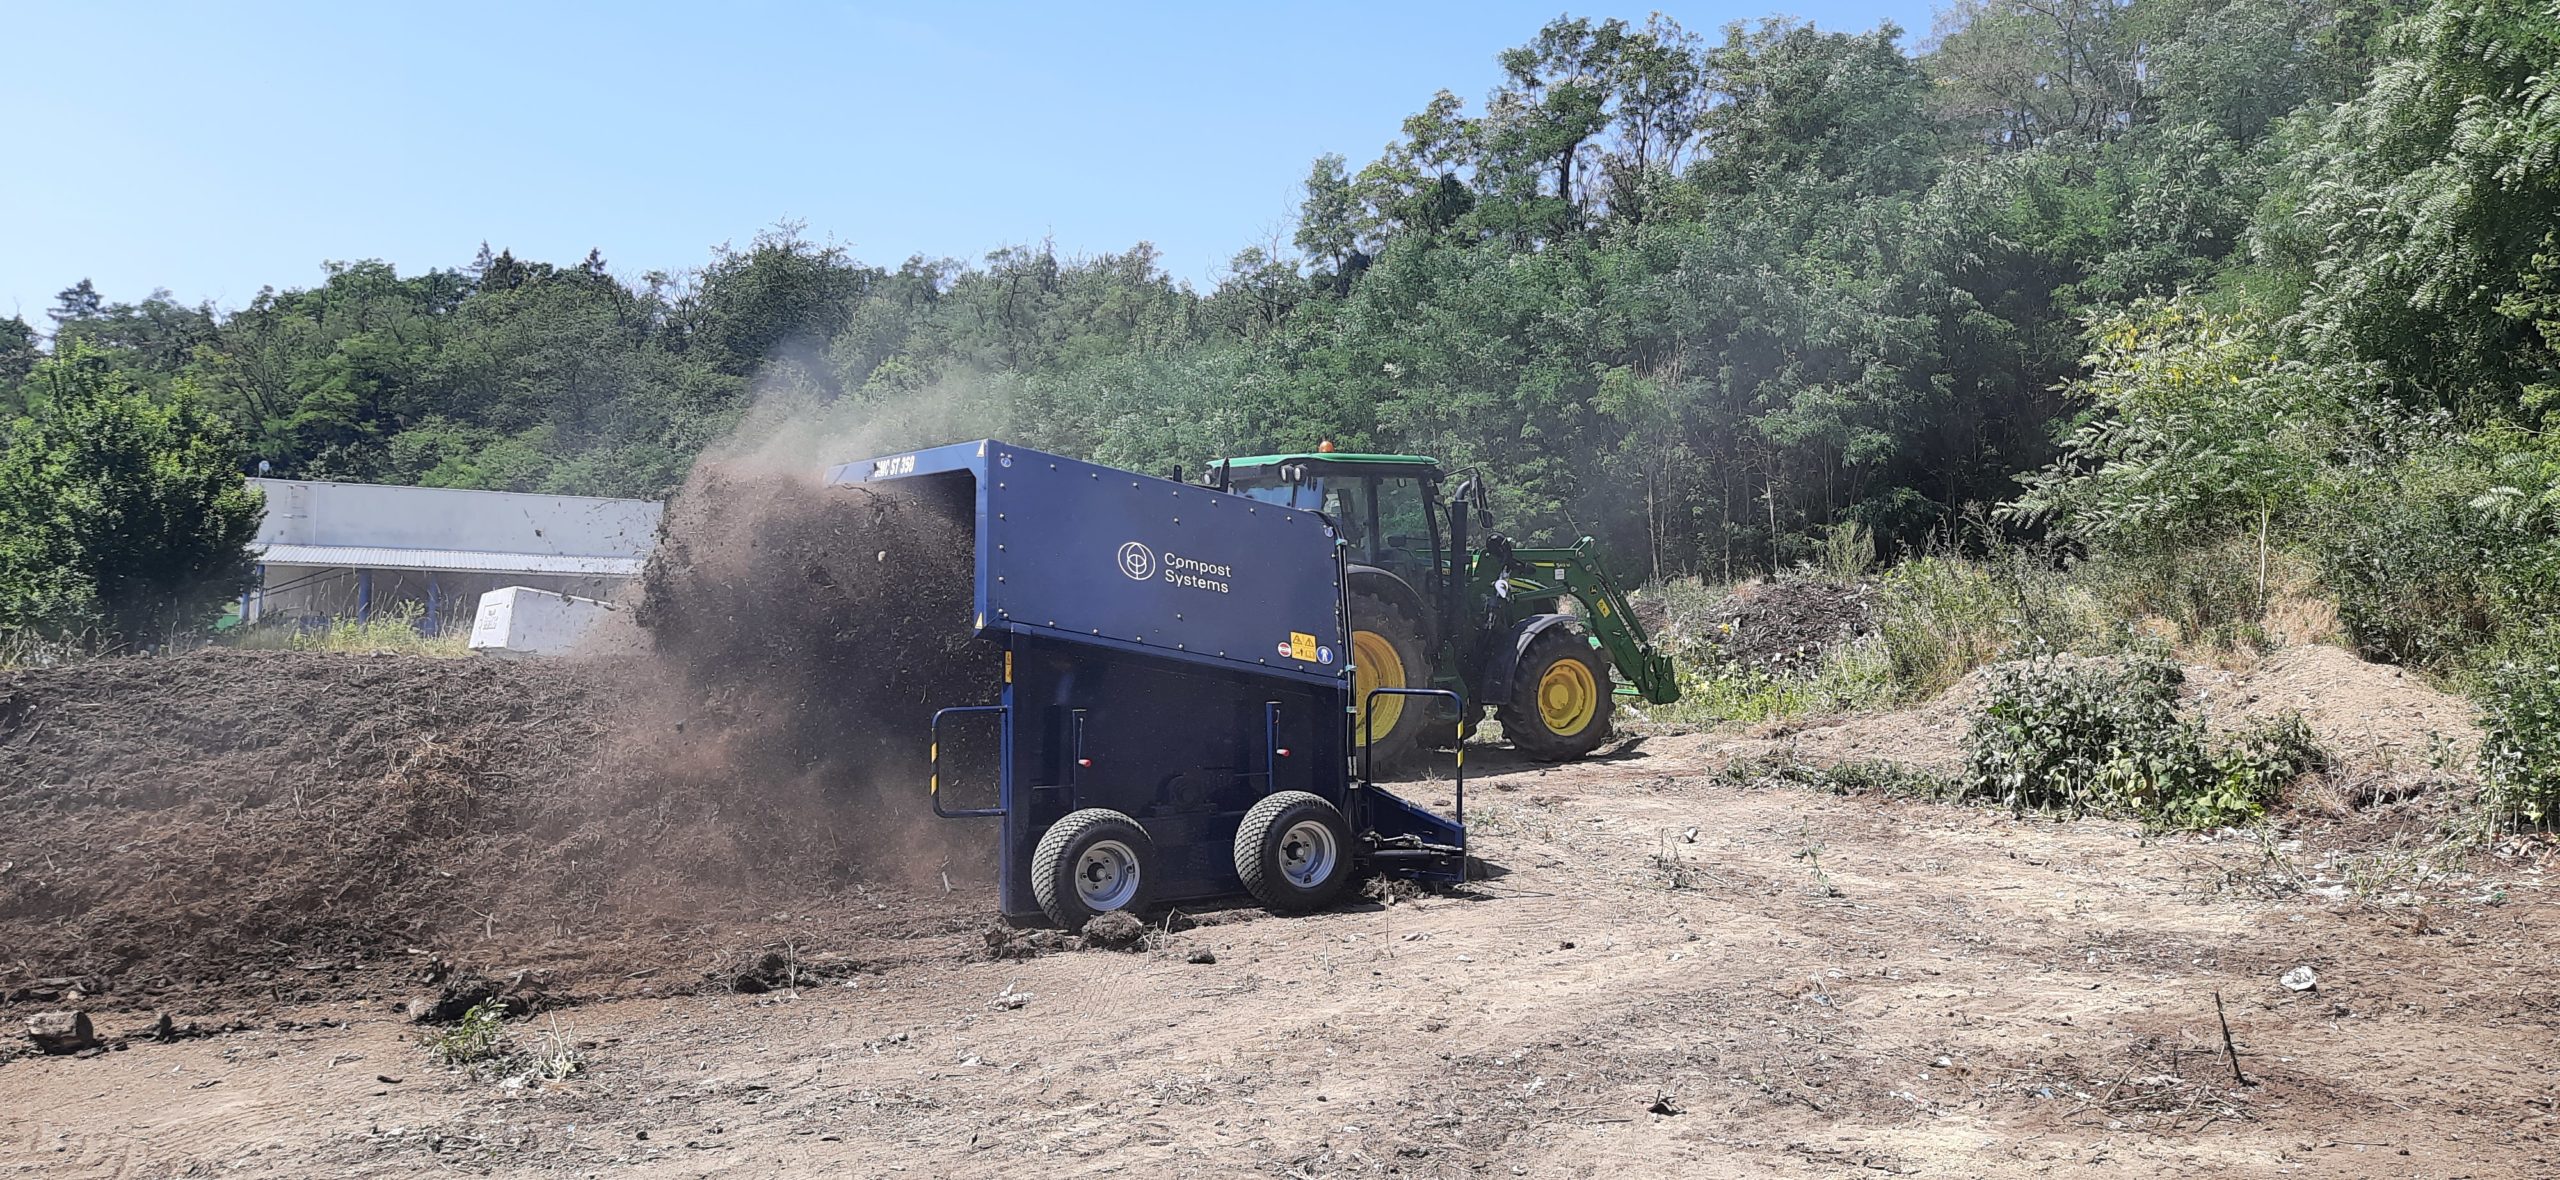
(1568,696)
(1375,664)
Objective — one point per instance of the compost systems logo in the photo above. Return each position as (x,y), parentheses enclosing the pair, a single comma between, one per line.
(1190,573)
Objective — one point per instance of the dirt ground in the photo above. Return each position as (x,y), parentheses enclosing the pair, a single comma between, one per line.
(1667,973)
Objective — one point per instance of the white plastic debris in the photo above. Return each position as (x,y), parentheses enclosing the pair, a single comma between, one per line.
(2300,979)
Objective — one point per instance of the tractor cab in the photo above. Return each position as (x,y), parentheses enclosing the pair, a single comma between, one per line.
(1386,507)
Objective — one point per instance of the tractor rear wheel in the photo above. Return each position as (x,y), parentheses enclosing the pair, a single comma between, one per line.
(1560,697)
(1293,851)
(1386,652)
(1090,863)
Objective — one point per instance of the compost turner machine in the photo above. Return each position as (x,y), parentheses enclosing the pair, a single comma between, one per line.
(1176,715)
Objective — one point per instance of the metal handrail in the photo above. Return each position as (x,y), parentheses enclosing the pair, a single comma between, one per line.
(933,785)
(1369,735)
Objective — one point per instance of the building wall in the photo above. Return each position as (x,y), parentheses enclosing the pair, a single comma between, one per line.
(468,538)
(311,596)
(314,512)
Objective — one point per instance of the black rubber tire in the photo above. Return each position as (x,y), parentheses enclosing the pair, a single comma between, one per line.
(1053,863)
(1394,622)
(1260,848)
(1527,727)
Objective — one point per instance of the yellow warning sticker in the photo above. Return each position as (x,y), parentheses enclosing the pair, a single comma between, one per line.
(1302,646)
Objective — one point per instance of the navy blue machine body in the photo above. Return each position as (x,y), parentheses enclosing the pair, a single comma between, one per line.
(1182,748)
(1110,558)
(1173,652)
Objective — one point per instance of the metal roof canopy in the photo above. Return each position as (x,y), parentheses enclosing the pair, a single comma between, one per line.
(391,526)
(1321,457)
(451,560)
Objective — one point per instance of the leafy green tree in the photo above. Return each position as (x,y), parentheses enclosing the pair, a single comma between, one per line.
(2197,429)
(123,521)
(18,358)
(2409,217)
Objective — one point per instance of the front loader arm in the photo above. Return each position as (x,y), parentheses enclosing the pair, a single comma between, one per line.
(1605,611)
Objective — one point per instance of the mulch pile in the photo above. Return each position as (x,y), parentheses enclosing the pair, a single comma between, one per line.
(1784,627)
(230,828)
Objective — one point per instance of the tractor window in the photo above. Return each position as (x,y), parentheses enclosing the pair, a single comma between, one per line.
(1346,500)
(1404,520)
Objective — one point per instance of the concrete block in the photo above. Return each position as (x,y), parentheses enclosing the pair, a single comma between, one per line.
(523,621)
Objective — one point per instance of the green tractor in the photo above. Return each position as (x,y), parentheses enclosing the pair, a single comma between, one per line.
(1440,600)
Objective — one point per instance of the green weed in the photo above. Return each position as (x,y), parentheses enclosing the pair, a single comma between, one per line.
(2094,737)
(2520,731)
(392,630)
(1942,616)
(1851,677)
(482,1043)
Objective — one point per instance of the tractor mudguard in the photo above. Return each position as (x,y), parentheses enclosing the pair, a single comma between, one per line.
(1506,660)
(1386,584)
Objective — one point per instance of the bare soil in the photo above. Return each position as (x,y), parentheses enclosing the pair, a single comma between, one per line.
(1663,973)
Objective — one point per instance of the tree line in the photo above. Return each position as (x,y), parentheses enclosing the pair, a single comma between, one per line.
(2151,277)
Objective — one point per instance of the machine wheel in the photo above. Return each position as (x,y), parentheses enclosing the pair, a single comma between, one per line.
(1294,851)
(1560,698)
(1386,652)
(1090,863)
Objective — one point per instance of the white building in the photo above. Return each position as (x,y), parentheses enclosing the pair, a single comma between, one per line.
(349,550)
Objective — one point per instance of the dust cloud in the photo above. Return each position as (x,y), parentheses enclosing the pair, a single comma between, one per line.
(745,773)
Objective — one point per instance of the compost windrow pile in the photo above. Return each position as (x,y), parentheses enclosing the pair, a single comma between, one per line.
(1785,627)
(216,830)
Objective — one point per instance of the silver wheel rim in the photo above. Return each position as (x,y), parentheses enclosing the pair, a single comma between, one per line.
(1107,875)
(1307,854)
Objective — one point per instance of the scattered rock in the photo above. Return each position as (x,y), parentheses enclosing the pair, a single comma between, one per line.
(1116,930)
(1386,890)
(1203,955)
(1663,1105)
(2300,979)
(767,972)
(461,991)
(1005,942)
(56,989)
(62,1032)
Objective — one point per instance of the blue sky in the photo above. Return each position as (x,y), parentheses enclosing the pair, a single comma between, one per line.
(214,149)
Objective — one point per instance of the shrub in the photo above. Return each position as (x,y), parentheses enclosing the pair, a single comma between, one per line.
(479,1037)
(2250,768)
(2105,738)
(2447,555)
(2520,732)
(2082,737)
